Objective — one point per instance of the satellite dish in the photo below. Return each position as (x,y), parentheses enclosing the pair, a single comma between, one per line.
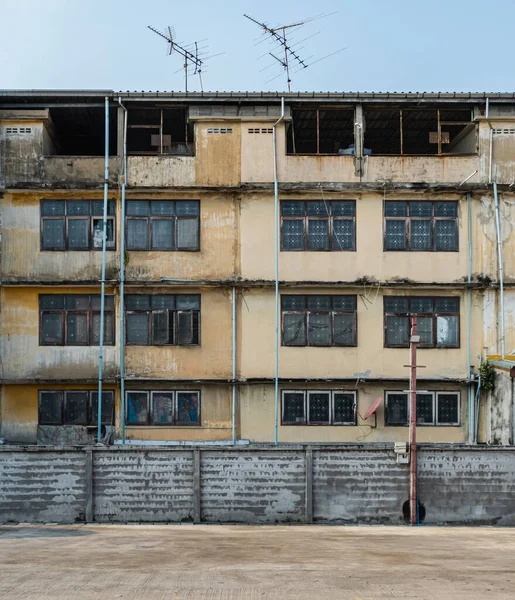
(376,404)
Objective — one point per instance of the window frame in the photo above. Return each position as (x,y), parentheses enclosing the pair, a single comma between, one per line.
(89,409)
(407,222)
(433,315)
(66,218)
(149,218)
(435,398)
(306,396)
(330,218)
(306,313)
(150,406)
(175,315)
(90,314)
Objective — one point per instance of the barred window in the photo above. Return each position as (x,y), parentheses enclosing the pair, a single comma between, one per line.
(74,320)
(316,407)
(74,407)
(438,321)
(166,225)
(76,225)
(318,225)
(172,408)
(162,320)
(319,320)
(421,226)
(433,408)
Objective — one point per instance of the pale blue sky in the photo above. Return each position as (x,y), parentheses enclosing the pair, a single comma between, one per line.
(394,45)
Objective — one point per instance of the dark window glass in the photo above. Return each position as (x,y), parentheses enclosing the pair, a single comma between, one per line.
(76,408)
(107,408)
(52,329)
(448,409)
(163,319)
(425,412)
(76,225)
(323,408)
(294,330)
(50,408)
(137,408)
(187,408)
(73,320)
(397,409)
(319,407)
(293,408)
(327,320)
(162,408)
(344,408)
(163,225)
(421,225)
(437,321)
(318,225)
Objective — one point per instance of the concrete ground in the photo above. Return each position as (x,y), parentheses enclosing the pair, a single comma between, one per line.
(180,562)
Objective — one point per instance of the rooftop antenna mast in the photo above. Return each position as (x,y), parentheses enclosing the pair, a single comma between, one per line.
(289,57)
(190,54)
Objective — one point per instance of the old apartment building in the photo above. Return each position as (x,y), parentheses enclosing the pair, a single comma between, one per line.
(388,206)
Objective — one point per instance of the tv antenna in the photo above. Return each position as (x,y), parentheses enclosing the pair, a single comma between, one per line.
(287,48)
(194,56)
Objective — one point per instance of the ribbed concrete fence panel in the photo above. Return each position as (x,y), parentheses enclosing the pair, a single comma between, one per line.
(289,484)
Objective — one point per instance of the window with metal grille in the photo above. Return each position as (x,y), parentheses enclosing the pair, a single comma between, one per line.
(433,408)
(74,407)
(164,225)
(317,407)
(159,131)
(74,320)
(321,131)
(438,321)
(76,225)
(318,226)
(163,407)
(421,226)
(319,320)
(162,320)
(419,131)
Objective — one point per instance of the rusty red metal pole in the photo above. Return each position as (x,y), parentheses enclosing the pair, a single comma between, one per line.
(413,423)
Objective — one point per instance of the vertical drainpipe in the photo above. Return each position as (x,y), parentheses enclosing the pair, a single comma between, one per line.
(102,293)
(499,260)
(470,392)
(233,407)
(122,273)
(276,209)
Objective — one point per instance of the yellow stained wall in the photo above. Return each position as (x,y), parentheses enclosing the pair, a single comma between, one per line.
(257,350)
(257,415)
(22,356)
(22,259)
(369,260)
(20,412)
(211,359)
(218,155)
(20,408)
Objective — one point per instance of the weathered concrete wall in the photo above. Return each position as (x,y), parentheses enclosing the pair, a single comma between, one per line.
(248,487)
(369,356)
(22,356)
(77,171)
(323,484)
(143,486)
(43,486)
(256,404)
(358,486)
(471,486)
(160,171)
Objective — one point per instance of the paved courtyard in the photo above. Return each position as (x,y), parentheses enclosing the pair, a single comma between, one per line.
(180,562)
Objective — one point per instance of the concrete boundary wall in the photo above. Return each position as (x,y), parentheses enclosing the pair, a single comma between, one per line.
(284,484)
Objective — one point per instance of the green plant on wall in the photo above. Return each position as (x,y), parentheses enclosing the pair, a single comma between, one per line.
(487,374)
